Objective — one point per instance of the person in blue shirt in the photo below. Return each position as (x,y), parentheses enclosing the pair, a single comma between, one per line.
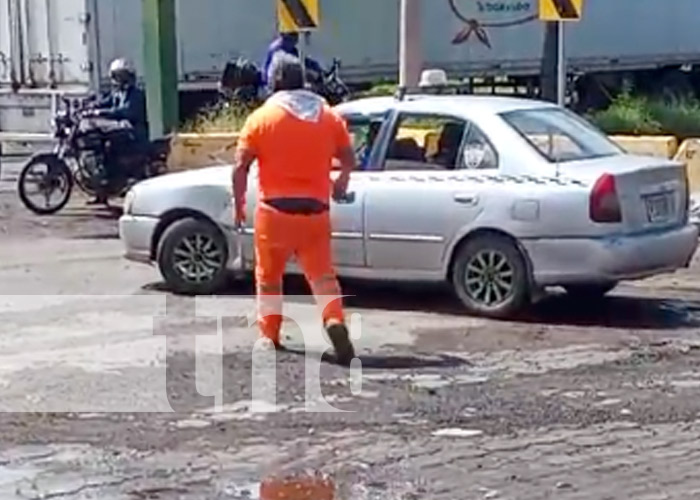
(126,102)
(287,43)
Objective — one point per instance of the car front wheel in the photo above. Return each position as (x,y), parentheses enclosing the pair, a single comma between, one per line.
(192,257)
(490,277)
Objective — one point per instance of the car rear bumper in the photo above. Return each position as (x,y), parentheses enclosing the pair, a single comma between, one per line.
(590,260)
(136,233)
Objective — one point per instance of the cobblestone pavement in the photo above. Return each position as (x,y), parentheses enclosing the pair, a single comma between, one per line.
(569,402)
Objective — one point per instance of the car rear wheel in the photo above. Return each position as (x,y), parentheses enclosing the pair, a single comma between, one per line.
(490,277)
(589,292)
(192,257)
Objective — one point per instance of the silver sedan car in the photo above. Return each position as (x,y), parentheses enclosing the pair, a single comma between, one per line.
(500,197)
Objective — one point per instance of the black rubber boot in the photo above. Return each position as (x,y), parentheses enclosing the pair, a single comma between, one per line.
(340,338)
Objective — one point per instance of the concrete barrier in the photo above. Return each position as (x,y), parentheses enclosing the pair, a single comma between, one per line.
(689,153)
(659,146)
(193,151)
(25,144)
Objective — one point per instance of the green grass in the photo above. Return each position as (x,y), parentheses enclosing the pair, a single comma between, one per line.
(225,119)
(379,90)
(680,117)
(628,115)
(636,115)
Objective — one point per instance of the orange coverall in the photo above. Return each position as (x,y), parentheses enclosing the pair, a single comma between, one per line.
(295,154)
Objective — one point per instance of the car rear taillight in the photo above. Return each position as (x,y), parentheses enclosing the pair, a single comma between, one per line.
(604,201)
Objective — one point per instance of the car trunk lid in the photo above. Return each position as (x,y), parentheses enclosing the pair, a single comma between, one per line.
(652,192)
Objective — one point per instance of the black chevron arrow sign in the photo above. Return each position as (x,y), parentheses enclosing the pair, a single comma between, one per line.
(566,9)
(300,13)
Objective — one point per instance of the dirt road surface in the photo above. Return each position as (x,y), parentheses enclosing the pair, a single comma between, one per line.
(101,400)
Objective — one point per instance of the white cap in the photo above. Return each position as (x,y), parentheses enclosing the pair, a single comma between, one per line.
(433,77)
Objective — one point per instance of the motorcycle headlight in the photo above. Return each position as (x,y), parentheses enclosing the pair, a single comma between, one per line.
(129,202)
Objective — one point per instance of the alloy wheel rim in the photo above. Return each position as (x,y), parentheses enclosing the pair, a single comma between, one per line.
(197,258)
(489,278)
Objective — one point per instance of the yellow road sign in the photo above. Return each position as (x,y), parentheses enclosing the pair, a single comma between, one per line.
(297,15)
(561,10)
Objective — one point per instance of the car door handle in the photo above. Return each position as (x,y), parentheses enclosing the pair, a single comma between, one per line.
(348,199)
(465,198)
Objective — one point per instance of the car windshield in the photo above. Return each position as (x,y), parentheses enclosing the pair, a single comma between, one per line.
(560,135)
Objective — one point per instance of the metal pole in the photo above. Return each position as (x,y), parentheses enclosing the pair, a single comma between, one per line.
(561,66)
(161,71)
(303,49)
(410,45)
(302,60)
(403,44)
(548,72)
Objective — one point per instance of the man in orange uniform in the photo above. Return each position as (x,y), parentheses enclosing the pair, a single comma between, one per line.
(294,136)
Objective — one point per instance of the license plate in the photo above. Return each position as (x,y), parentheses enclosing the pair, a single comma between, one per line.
(659,207)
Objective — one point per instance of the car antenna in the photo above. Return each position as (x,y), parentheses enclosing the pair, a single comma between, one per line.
(552,148)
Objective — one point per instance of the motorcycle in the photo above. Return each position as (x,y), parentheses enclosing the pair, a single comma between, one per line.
(331,86)
(241,83)
(85,146)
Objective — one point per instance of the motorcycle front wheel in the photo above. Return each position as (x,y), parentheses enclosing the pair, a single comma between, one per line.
(45,184)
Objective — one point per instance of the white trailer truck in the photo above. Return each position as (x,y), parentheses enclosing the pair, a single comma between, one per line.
(52,47)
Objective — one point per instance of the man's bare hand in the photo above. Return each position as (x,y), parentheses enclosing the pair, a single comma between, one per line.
(244,158)
(346,156)
(239,215)
(340,187)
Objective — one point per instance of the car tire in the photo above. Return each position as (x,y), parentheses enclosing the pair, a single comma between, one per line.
(590,291)
(192,257)
(488,267)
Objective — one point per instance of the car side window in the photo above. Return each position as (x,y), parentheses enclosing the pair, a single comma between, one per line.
(357,127)
(478,152)
(363,132)
(425,142)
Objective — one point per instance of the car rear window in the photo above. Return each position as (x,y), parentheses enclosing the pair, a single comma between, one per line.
(560,135)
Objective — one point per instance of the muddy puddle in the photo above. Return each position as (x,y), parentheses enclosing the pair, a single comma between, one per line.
(83,472)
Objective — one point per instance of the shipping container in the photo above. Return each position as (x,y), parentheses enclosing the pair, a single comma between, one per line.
(612,35)
(56,46)
(70,43)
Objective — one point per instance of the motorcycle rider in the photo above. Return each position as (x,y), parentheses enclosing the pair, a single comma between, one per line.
(286,43)
(125,103)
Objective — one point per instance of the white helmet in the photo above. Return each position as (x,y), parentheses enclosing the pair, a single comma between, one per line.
(122,70)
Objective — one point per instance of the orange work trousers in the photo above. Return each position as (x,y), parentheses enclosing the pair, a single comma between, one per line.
(278,237)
